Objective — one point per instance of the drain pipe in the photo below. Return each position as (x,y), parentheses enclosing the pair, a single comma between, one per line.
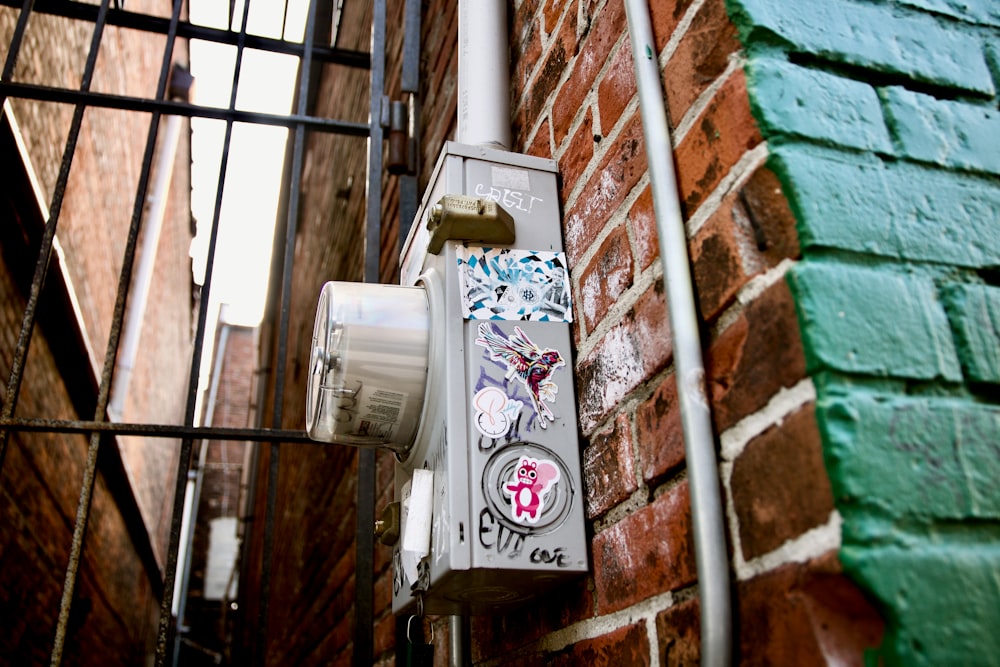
(706,504)
(483,77)
(181,85)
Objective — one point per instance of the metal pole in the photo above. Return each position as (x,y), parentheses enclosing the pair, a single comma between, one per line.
(706,504)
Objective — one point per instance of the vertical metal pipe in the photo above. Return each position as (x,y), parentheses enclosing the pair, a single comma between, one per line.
(136,312)
(483,76)
(706,504)
(364,572)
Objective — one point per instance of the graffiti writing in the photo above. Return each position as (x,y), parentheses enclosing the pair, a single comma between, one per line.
(496,536)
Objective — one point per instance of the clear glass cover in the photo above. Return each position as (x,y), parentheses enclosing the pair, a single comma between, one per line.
(368,365)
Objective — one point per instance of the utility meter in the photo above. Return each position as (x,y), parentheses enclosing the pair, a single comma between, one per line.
(464,372)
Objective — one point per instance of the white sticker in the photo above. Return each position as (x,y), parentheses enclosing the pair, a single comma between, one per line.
(379,412)
(495,411)
(506,177)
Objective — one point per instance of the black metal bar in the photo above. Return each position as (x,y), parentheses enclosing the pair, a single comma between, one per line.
(93,450)
(364,574)
(167,107)
(15,41)
(159,25)
(298,157)
(184,464)
(155,430)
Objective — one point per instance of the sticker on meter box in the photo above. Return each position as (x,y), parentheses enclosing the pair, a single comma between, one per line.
(515,285)
(379,412)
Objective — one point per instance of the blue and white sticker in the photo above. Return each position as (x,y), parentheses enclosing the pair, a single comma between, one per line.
(514,285)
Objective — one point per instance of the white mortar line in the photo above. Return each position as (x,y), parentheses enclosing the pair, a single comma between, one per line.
(749,292)
(811,544)
(781,405)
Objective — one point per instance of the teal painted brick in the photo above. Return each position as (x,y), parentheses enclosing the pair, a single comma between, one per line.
(820,106)
(974,311)
(942,603)
(897,460)
(947,133)
(872,322)
(897,210)
(873,36)
(986,12)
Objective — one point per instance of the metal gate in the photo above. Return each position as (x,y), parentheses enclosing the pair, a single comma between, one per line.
(99,429)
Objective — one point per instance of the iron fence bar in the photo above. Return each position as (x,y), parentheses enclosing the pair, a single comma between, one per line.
(46,244)
(298,157)
(159,25)
(364,575)
(87,486)
(15,41)
(184,464)
(166,107)
(154,430)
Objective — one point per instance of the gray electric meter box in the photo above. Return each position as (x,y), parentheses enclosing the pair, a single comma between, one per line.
(489,477)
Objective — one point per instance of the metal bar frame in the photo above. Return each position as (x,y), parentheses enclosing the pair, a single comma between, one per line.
(98,429)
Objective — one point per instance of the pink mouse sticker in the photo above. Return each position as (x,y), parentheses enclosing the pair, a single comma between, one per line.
(529,488)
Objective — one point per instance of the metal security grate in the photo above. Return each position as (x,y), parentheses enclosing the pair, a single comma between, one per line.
(44,314)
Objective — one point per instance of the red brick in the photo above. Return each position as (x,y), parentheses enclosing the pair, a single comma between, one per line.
(503,634)
(617,88)
(757,355)
(716,261)
(805,614)
(772,220)
(608,474)
(658,431)
(540,144)
(553,64)
(631,352)
(527,43)
(551,12)
(646,553)
(625,646)
(615,177)
(606,278)
(678,632)
(701,57)
(642,218)
(780,486)
(664,17)
(723,133)
(605,29)
(577,155)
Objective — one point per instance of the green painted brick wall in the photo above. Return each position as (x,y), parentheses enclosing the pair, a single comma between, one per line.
(882,120)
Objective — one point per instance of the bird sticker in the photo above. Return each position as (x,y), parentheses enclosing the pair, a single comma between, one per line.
(532,365)
(529,488)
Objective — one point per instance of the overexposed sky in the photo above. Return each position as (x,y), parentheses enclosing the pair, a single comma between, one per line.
(253,177)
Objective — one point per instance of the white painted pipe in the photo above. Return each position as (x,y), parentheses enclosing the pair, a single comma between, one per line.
(706,504)
(139,296)
(483,74)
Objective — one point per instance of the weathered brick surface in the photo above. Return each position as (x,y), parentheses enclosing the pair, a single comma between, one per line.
(646,553)
(780,488)
(701,56)
(626,646)
(659,433)
(720,136)
(805,614)
(755,356)
(606,278)
(608,471)
(633,350)
(678,632)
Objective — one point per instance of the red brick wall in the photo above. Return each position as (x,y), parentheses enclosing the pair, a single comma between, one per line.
(115,614)
(574,100)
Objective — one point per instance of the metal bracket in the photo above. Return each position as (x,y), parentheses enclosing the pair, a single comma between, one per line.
(463,218)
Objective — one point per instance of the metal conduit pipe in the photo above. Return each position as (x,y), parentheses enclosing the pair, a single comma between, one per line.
(699,444)
(483,79)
